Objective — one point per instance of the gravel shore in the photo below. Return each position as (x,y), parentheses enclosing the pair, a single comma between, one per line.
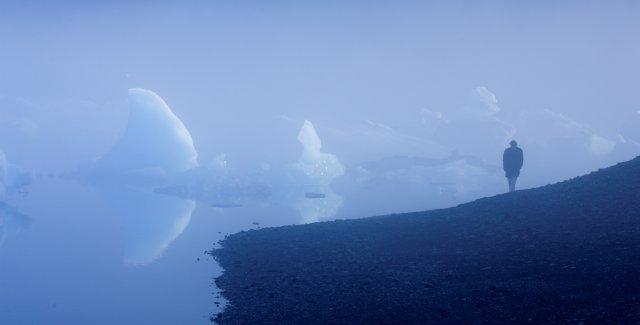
(567,252)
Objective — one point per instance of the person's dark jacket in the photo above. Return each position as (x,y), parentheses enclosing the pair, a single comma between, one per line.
(512,161)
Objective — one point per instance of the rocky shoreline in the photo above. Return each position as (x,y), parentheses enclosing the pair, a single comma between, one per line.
(567,252)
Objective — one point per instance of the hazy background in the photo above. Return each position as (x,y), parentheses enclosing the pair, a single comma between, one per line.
(376,78)
(415,99)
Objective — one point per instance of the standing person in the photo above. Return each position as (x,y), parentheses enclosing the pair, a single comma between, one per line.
(512,161)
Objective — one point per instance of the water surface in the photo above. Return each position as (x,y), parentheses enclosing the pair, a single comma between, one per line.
(78,254)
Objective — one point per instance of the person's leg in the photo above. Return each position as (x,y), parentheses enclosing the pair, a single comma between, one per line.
(512,184)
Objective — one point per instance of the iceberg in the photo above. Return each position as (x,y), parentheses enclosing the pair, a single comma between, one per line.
(318,167)
(155,144)
(304,184)
(204,185)
(313,173)
(550,129)
(488,126)
(483,121)
(217,184)
(450,179)
(600,146)
(12,178)
(155,148)
(481,103)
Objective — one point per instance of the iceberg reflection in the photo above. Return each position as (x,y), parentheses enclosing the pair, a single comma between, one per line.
(151,221)
(11,222)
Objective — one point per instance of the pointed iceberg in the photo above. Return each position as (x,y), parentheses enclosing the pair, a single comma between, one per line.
(155,143)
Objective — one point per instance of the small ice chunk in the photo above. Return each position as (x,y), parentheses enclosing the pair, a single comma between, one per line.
(600,146)
(311,195)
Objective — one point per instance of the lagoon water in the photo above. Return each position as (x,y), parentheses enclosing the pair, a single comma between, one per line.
(116,255)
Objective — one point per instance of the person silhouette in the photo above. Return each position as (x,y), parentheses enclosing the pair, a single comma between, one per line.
(512,161)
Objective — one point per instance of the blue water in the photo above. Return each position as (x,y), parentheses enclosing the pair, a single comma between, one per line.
(86,255)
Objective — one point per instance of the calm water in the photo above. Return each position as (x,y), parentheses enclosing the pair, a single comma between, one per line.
(75,254)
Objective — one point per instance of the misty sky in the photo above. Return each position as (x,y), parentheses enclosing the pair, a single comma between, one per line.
(244,75)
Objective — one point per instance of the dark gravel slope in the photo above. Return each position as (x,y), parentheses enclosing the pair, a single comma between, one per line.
(568,252)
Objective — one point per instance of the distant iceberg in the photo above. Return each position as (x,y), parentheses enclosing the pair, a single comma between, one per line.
(313,173)
(12,178)
(318,167)
(155,144)
(303,184)
(451,180)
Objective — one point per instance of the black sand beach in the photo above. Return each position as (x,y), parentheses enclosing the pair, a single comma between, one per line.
(568,252)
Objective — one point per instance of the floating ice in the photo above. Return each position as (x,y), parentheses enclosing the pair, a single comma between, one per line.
(317,170)
(600,146)
(12,178)
(218,184)
(557,126)
(215,188)
(317,166)
(304,185)
(155,142)
(462,176)
(482,121)
(155,147)
(630,131)
(481,103)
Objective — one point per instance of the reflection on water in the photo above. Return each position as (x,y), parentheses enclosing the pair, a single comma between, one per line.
(304,185)
(314,202)
(11,222)
(319,207)
(131,236)
(151,221)
(105,255)
(141,252)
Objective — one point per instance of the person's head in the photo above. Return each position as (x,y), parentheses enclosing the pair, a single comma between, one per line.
(513,143)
